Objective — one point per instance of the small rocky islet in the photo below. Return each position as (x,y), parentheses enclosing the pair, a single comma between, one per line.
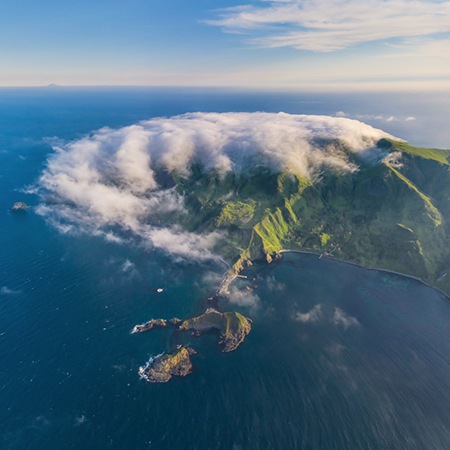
(232,327)
(162,368)
(154,323)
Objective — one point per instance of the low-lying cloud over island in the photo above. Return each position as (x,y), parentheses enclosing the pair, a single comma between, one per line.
(107,182)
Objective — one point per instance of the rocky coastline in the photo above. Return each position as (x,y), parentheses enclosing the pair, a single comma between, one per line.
(232,327)
(147,326)
(163,367)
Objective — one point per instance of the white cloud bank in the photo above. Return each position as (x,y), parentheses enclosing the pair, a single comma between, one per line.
(329,25)
(107,183)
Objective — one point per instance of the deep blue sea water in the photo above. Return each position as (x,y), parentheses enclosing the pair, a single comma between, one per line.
(339,357)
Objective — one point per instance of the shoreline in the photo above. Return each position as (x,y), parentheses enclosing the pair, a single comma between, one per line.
(227,279)
(231,275)
(392,272)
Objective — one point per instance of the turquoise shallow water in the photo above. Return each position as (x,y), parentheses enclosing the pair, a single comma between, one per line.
(338,357)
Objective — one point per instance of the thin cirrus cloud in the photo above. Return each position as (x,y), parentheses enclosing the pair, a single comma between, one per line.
(330,25)
(376,117)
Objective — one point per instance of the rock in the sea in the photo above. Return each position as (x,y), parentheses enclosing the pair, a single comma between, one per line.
(19,206)
(175,321)
(233,327)
(164,367)
(161,323)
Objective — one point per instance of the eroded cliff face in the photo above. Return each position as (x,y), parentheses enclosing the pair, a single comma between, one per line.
(232,326)
(162,368)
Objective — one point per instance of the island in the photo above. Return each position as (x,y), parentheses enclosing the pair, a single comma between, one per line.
(163,367)
(232,326)
(270,183)
(391,212)
(243,188)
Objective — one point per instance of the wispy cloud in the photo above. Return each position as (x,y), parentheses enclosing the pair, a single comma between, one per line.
(423,47)
(244,298)
(129,269)
(274,285)
(377,117)
(337,316)
(313,315)
(329,25)
(106,184)
(4,290)
(341,318)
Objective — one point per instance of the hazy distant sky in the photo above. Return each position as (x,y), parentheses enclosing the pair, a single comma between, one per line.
(323,44)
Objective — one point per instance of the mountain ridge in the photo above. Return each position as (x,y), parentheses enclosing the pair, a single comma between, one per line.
(382,215)
(244,186)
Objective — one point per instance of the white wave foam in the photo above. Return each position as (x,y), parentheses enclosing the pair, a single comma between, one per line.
(142,369)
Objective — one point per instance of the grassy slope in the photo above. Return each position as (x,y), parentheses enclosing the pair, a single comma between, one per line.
(441,156)
(381,216)
(233,326)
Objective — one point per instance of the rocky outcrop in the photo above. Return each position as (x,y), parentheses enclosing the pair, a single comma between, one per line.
(162,368)
(161,323)
(232,326)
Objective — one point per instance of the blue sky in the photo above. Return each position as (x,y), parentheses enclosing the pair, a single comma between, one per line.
(280,44)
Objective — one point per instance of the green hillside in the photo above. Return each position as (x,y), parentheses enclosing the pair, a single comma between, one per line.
(392,215)
(441,156)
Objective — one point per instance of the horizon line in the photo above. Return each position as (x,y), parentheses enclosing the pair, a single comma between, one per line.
(360,87)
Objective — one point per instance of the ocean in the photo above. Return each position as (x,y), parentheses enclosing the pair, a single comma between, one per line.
(338,357)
